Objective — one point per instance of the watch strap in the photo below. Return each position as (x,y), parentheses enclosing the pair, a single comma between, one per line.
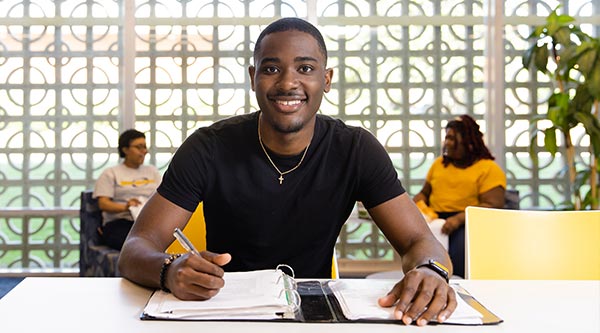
(436,267)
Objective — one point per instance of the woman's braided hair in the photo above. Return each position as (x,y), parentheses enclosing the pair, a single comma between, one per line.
(472,140)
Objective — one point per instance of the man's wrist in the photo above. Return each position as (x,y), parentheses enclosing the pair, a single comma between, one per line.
(163,271)
(436,267)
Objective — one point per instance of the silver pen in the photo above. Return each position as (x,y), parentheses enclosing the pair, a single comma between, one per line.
(184,241)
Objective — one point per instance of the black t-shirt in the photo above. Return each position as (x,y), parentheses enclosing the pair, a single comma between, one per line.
(262,223)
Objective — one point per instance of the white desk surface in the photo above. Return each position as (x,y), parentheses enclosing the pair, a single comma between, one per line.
(107,305)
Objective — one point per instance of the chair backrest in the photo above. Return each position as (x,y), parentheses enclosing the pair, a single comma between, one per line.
(335,271)
(506,244)
(95,258)
(90,218)
(511,199)
(195,230)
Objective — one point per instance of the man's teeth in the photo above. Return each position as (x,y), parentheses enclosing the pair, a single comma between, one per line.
(289,103)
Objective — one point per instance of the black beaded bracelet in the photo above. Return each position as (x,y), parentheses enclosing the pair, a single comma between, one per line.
(163,271)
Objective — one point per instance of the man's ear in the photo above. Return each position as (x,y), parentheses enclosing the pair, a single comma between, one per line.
(328,78)
(251,71)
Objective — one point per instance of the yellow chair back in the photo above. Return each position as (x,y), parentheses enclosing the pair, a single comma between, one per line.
(335,272)
(506,244)
(195,231)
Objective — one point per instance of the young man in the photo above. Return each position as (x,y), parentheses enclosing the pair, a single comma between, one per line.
(278,184)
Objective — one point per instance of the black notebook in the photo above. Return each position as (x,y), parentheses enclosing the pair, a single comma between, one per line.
(275,295)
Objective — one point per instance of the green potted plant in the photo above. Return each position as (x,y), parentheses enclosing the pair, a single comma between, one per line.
(571,59)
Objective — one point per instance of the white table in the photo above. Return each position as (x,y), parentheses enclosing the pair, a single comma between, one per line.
(107,305)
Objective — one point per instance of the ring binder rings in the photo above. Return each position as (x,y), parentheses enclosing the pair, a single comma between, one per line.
(274,295)
(281,267)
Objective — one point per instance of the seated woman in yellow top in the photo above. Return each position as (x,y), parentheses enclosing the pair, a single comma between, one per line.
(465,175)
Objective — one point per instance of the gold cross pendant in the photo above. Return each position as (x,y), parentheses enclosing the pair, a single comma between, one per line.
(280,179)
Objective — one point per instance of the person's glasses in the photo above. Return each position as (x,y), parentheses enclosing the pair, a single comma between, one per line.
(140,147)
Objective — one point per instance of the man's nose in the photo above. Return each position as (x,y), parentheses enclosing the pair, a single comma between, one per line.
(288,80)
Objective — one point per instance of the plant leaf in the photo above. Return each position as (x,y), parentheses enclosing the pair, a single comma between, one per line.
(533,134)
(564,19)
(593,80)
(552,23)
(587,57)
(569,56)
(550,140)
(581,178)
(528,55)
(563,36)
(541,59)
(592,128)
(558,110)
(582,101)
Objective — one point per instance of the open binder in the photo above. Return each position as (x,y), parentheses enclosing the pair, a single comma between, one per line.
(275,295)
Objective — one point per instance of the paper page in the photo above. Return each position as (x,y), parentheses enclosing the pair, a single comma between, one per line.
(255,295)
(436,228)
(358,299)
(135,210)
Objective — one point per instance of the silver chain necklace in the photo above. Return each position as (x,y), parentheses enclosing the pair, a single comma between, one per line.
(273,164)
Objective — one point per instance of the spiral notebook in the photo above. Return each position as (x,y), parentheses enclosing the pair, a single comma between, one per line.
(274,295)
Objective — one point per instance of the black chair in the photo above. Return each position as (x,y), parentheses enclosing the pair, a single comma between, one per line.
(511,199)
(95,258)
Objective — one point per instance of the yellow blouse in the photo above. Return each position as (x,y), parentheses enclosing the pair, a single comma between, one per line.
(453,189)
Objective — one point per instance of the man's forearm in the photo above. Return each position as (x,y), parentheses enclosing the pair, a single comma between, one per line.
(423,251)
(140,263)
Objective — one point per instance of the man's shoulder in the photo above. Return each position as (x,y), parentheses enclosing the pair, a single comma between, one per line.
(338,126)
(228,131)
(220,127)
(234,121)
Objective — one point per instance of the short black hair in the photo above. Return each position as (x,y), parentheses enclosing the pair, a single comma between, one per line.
(126,137)
(291,24)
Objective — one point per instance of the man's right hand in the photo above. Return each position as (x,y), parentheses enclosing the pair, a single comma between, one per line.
(193,277)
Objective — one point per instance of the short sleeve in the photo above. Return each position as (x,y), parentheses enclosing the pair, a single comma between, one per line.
(493,177)
(378,178)
(105,185)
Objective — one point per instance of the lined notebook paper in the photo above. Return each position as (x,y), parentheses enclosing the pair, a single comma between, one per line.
(264,294)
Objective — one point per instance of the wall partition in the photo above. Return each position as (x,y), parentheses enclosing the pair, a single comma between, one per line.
(75,73)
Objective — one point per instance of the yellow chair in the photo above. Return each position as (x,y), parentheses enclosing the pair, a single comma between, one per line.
(195,231)
(506,244)
(335,272)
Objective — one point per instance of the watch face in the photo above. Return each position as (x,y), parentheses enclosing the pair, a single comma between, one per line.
(440,266)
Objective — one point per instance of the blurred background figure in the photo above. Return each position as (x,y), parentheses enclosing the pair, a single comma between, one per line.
(465,175)
(124,186)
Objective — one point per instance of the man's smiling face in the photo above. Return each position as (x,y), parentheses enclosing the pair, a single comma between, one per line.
(289,78)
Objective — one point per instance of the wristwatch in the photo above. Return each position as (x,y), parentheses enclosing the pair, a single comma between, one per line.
(437,267)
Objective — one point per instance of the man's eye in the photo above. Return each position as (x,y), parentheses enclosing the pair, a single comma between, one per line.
(306,69)
(270,70)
